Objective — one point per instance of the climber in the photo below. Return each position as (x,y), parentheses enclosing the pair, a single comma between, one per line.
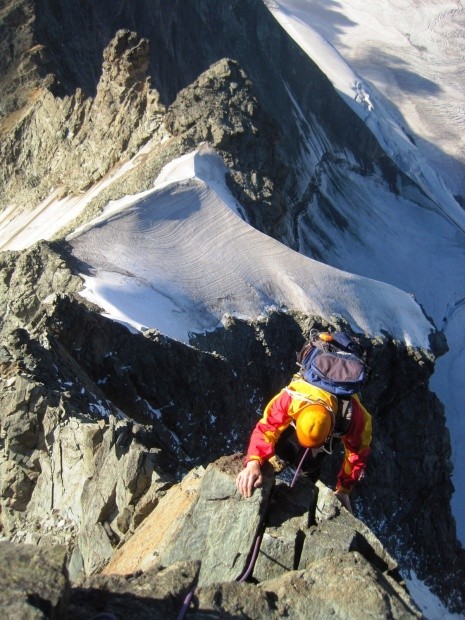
(304,416)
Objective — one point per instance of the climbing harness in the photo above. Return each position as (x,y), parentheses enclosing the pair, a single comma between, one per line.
(329,449)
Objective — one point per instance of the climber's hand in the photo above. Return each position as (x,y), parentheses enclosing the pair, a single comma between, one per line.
(344,499)
(249,479)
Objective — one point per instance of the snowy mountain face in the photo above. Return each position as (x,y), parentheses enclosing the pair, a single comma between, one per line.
(228,163)
(387,55)
(407,58)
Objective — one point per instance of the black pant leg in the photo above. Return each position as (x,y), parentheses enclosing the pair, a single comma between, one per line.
(311,466)
(289,449)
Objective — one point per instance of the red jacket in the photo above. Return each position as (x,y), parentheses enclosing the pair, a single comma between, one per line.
(287,405)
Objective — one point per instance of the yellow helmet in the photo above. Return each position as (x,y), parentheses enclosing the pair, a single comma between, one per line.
(313,425)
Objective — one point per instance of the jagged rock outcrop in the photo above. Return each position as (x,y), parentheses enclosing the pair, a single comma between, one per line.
(309,594)
(80,138)
(35,586)
(33,581)
(205,554)
(240,131)
(213,527)
(208,520)
(69,479)
(70,465)
(152,595)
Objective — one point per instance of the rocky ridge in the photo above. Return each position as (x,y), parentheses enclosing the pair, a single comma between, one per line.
(82,138)
(94,115)
(315,559)
(98,425)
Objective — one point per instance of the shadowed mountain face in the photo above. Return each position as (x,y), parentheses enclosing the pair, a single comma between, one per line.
(186,37)
(63,42)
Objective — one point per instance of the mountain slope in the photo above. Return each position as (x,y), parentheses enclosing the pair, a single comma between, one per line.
(301,167)
(406,57)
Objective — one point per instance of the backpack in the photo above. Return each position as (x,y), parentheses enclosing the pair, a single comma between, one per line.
(334,362)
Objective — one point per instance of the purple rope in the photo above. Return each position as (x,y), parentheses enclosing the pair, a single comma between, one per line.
(259,537)
(297,471)
(240,579)
(186,603)
(258,541)
(248,570)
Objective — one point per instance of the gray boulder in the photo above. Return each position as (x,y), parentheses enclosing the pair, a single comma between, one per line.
(307,565)
(221,525)
(33,582)
(342,586)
